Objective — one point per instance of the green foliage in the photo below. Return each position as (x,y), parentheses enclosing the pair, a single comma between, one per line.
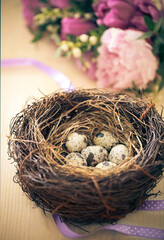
(44,1)
(81,6)
(156,34)
(37,36)
(149,23)
(160,71)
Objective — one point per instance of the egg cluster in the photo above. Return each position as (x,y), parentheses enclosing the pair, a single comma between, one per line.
(106,152)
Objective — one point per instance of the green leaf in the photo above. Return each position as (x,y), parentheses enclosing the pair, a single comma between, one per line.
(146,35)
(149,23)
(160,39)
(160,70)
(37,36)
(158,25)
(161,85)
(71,38)
(156,46)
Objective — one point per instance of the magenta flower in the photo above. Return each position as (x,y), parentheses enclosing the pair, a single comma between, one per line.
(28,15)
(125,13)
(123,59)
(60,3)
(30,8)
(75,26)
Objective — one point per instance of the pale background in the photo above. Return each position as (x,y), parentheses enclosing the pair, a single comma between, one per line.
(20,219)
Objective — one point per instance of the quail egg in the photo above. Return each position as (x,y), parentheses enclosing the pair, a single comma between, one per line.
(106,165)
(94,155)
(76,142)
(76,159)
(105,139)
(118,154)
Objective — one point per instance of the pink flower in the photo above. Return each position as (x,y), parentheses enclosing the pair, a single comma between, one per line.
(123,59)
(125,13)
(75,26)
(60,3)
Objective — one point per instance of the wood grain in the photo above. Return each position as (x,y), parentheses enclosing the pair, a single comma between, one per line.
(19,218)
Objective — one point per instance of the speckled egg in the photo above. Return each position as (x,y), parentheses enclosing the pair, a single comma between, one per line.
(118,154)
(76,159)
(94,155)
(106,165)
(76,142)
(105,139)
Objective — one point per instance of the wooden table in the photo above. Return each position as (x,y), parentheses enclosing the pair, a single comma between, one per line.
(20,219)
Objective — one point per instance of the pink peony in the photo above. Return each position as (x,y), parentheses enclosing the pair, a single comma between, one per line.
(123,60)
(75,26)
(125,13)
(60,3)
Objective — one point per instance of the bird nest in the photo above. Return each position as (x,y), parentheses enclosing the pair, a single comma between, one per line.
(86,194)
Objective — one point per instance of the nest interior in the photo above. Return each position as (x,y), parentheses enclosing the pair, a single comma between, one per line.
(85,194)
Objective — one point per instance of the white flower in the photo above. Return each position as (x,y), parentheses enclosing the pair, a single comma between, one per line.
(64,47)
(83,37)
(93,40)
(76,52)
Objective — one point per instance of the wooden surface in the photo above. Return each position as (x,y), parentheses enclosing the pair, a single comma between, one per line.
(19,218)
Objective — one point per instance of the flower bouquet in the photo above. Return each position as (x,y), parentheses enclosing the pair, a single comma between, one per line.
(119,44)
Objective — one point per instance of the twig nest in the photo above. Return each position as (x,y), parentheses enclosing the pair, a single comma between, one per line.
(106,165)
(44,133)
(105,139)
(76,142)
(76,159)
(118,154)
(94,155)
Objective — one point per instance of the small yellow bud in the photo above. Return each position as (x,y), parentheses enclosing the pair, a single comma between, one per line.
(56,10)
(41,21)
(87,65)
(70,44)
(76,52)
(83,37)
(93,40)
(64,47)
(43,9)
(77,15)
(53,18)
(50,28)
(88,16)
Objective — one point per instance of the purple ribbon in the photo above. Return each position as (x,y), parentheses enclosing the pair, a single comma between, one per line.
(146,232)
(158,205)
(56,75)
